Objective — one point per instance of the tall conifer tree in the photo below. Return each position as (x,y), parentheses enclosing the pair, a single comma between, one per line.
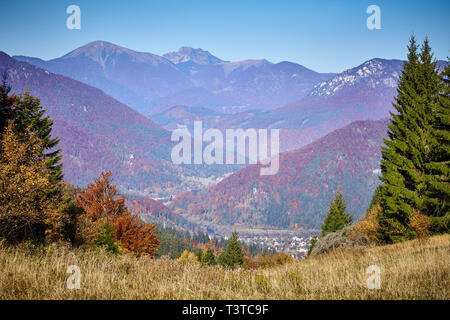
(408,173)
(30,115)
(233,255)
(438,170)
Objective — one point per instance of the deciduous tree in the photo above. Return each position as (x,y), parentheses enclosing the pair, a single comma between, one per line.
(28,211)
(103,203)
(135,235)
(101,199)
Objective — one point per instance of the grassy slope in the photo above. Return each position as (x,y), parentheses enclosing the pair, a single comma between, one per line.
(411,270)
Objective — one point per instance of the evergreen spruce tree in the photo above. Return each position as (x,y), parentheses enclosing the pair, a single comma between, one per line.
(233,255)
(336,218)
(30,115)
(438,170)
(408,169)
(208,258)
(199,254)
(397,191)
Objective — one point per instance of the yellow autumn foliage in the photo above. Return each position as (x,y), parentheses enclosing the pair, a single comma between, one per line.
(187,257)
(420,223)
(366,229)
(28,211)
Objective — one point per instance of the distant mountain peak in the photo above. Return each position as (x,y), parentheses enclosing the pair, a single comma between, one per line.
(95,47)
(101,51)
(188,54)
(372,73)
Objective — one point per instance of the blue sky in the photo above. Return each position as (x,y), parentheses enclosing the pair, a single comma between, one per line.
(326,36)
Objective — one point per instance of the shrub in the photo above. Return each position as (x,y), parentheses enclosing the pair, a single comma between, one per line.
(208,258)
(331,241)
(87,231)
(187,257)
(312,244)
(420,223)
(199,254)
(72,212)
(365,231)
(107,239)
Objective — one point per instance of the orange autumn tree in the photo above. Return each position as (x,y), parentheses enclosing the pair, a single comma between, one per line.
(101,199)
(135,235)
(103,204)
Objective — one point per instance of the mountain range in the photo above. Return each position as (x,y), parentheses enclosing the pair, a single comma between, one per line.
(150,83)
(98,133)
(134,78)
(361,93)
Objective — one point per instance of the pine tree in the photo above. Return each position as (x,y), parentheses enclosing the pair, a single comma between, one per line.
(29,114)
(233,255)
(208,258)
(199,254)
(408,172)
(398,188)
(336,218)
(438,170)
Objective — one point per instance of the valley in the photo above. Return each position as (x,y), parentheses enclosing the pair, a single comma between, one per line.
(323,140)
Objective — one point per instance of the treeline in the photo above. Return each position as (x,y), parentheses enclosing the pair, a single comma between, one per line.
(413,199)
(37,206)
(175,242)
(233,254)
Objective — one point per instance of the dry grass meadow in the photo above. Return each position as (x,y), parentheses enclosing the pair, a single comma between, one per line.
(410,270)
